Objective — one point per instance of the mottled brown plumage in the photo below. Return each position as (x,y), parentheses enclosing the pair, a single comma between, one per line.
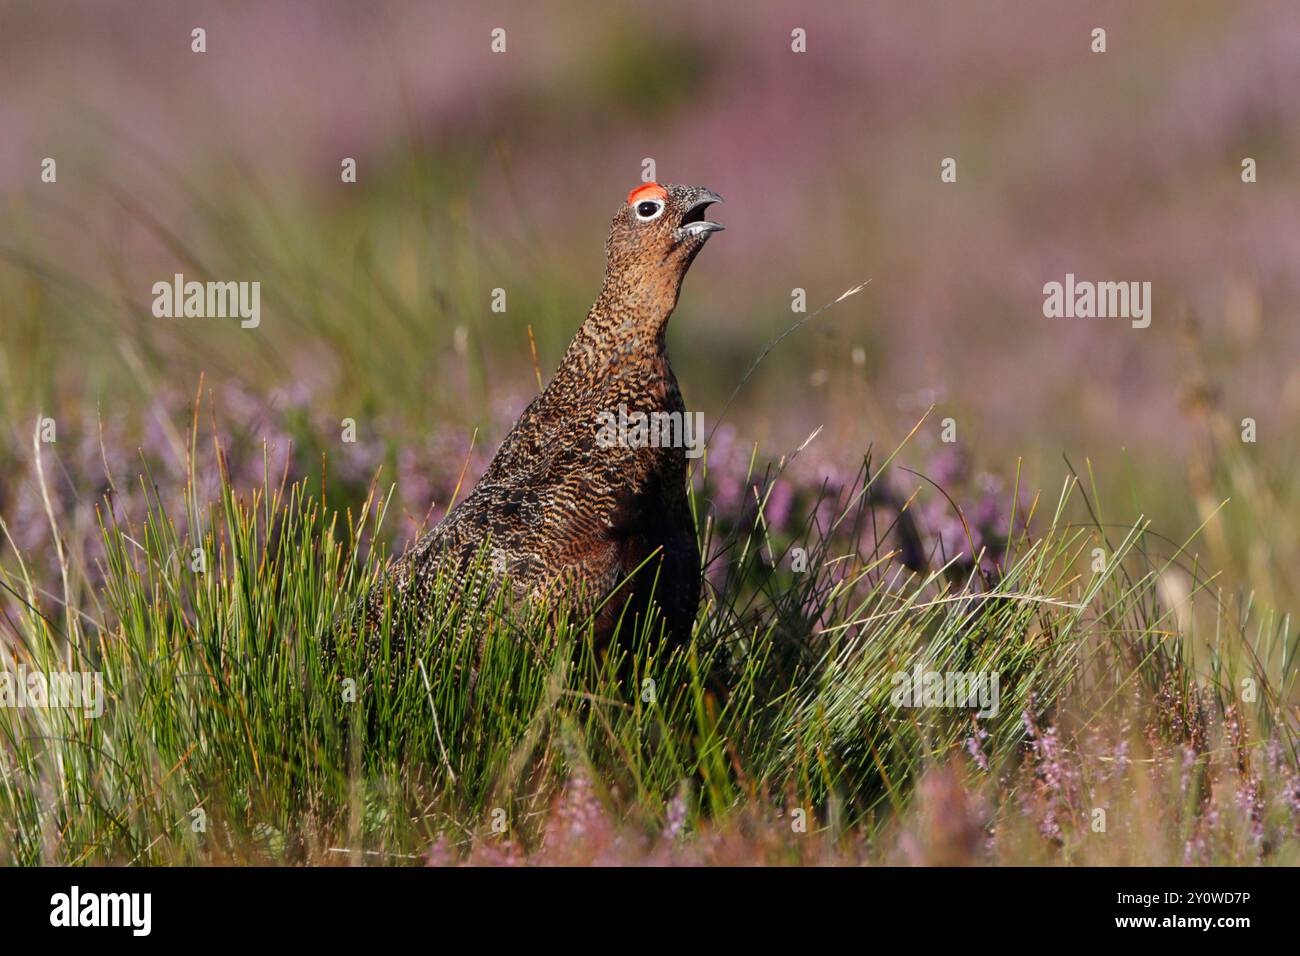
(562,514)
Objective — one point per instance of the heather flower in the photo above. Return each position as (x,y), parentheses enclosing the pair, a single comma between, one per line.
(675,824)
(440,854)
(974,746)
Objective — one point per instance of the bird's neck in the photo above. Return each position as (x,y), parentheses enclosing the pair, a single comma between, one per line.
(630,316)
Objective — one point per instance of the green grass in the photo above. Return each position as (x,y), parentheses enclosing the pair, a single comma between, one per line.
(229,735)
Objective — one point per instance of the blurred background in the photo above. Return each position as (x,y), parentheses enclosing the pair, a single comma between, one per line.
(479,170)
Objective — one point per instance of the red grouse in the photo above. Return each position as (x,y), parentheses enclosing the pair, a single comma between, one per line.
(563,513)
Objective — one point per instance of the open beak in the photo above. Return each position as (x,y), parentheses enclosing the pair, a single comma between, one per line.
(694,225)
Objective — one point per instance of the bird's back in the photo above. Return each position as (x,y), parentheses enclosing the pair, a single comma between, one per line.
(558,513)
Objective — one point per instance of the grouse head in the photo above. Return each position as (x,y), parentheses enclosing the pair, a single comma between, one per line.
(659,231)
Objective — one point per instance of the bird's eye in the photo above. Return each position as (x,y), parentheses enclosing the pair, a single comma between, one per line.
(649,209)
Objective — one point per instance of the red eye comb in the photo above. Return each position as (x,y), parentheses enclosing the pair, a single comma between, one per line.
(647,191)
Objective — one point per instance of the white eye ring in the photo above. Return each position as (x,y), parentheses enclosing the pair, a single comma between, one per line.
(658,210)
